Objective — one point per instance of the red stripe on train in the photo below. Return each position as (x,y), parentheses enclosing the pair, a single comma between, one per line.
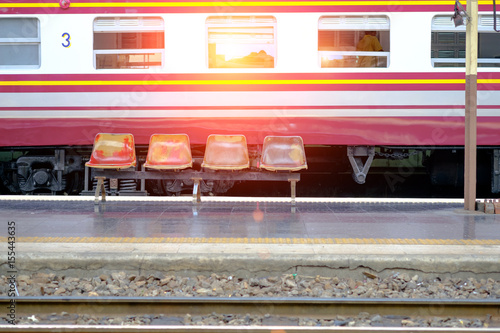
(400,7)
(428,131)
(149,80)
(247,76)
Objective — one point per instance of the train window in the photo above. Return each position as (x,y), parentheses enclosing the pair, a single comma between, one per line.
(448,43)
(354,41)
(19,43)
(241,41)
(128,42)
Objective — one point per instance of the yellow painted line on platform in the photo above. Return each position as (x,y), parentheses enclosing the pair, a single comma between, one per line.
(243,240)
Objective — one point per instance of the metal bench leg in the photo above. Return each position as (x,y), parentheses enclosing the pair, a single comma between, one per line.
(293,187)
(196,191)
(100,189)
(143,181)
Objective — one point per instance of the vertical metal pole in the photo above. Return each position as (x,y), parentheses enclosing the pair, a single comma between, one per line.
(471,106)
(143,181)
(87,180)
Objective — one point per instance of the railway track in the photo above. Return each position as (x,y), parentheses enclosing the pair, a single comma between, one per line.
(226,329)
(487,310)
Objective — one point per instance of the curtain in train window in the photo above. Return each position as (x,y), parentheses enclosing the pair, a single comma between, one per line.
(448,43)
(128,42)
(241,41)
(353,41)
(19,43)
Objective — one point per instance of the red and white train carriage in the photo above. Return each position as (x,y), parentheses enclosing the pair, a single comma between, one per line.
(70,70)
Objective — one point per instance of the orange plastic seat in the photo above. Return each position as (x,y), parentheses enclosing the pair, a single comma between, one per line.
(113,151)
(169,152)
(283,153)
(226,152)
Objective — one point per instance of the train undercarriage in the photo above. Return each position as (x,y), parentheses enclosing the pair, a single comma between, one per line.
(380,171)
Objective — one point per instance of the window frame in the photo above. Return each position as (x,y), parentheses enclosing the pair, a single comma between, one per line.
(6,41)
(442,23)
(237,22)
(117,28)
(349,23)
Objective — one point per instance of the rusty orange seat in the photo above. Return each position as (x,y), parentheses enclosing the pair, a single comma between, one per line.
(283,153)
(169,152)
(226,152)
(113,151)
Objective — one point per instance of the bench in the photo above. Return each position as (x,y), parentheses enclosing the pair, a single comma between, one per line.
(169,157)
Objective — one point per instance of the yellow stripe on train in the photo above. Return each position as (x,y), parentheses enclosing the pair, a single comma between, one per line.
(236,82)
(242,4)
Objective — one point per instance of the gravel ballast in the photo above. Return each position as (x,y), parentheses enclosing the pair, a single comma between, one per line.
(396,285)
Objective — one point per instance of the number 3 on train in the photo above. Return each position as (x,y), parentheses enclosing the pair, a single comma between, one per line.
(67,38)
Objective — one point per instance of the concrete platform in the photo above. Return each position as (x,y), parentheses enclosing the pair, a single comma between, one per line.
(250,236)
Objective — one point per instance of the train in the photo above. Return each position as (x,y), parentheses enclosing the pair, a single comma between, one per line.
(372,87)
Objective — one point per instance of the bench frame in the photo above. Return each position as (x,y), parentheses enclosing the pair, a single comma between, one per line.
(195,176)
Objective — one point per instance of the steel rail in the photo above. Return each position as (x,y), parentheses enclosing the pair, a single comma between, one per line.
(290,306)
(234,329)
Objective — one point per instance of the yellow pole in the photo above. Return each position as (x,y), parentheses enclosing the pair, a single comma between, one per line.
(471,107)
